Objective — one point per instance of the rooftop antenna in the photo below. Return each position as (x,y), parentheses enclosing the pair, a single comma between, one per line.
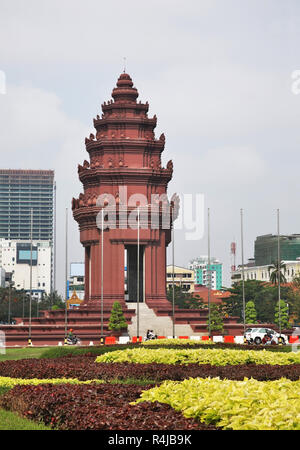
(124,57)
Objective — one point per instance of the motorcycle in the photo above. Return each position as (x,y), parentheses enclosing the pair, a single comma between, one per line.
(74,340)
(150,336)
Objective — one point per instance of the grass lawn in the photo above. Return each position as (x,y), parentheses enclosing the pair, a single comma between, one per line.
(8,419)
(22,353)
(11,421)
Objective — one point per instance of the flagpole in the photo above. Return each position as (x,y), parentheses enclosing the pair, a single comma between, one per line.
(30,298)
(66,277)
(208,270)
(102,241)
(54,244)
(278,272)
(138,278)
(243,272)
(9,301)
(173,276)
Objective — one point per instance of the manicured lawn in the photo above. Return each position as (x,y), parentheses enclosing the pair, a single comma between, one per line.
(22,353)
(11,421)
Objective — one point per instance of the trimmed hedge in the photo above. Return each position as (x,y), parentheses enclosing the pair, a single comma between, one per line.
(9,382)
(178,343)
(84,368)
(219,357)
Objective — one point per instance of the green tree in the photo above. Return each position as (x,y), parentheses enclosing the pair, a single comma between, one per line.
(183,299)
(283,317)
(293,299)
(274,270)
(296,281)
(51,301)
(234,304)
(266,303)
(55,308)
(18,303)
(216,318)
(250,312)
(264,295)
(14,304)
(117,320)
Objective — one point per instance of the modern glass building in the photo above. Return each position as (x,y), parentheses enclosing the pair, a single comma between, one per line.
(21,190)
(266,248)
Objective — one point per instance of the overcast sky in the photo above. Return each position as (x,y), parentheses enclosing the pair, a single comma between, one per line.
(218,75)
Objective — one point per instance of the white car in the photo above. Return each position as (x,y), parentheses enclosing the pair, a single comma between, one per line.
(255,335)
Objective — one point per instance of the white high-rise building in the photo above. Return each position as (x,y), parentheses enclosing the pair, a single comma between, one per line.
(16,258)
(205,273)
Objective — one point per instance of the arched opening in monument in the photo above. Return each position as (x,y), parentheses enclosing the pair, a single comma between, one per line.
(87,268)
(131,273)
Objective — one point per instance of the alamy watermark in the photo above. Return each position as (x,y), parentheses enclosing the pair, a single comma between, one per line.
(186,211)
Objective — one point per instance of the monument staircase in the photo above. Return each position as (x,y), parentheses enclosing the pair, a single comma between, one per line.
(49,328)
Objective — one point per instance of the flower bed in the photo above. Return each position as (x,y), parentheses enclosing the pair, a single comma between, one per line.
(199,356)
(213,388)
(101,407)
(237,405)
(83,369)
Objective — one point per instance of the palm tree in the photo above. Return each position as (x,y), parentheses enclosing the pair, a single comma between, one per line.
(276,268)
(296,281)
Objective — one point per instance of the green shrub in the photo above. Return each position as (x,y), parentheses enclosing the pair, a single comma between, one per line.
(176,342)
(219,357)
(117,319)
(8,382)
(236,405)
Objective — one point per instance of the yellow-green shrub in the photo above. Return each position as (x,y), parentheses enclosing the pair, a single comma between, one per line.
(237,405)
(8,382)
(179,342)
(219,357)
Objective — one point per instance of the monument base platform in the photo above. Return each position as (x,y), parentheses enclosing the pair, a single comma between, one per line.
(49,328)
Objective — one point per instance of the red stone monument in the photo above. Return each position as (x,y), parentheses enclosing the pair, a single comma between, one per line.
(124,173)
(123,178)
